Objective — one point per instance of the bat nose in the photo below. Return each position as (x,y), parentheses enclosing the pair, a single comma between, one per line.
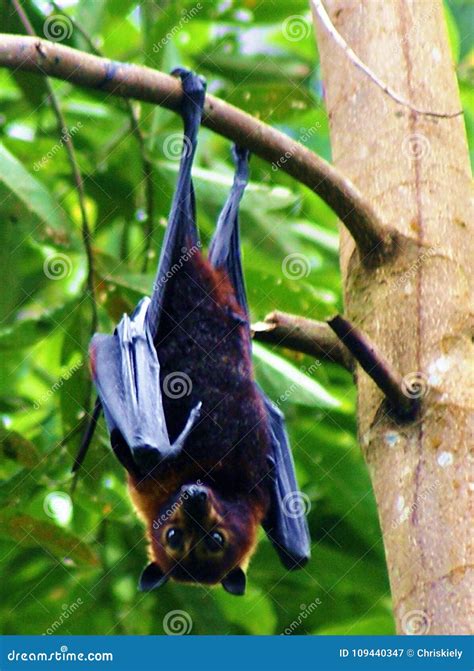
(195,500)
(196,492)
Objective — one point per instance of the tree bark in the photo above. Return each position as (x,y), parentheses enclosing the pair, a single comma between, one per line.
(416,306)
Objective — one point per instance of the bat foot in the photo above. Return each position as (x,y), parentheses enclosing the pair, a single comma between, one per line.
(193,417)
(235,316)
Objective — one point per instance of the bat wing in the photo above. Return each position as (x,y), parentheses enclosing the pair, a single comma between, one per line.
(224,251)
(125,366)
(181,238)
(285,524)
(127,376)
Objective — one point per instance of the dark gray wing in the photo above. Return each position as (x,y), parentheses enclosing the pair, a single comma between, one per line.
(285,523)
(126,373)
(125,365)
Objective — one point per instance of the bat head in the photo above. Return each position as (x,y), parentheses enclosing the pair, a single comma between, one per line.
(202,538)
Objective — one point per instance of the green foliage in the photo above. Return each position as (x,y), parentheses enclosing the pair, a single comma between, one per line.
(87,551)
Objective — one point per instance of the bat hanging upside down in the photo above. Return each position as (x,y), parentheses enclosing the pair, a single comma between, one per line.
(206,452)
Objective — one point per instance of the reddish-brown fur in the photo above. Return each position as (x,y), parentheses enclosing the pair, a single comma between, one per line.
(203,335)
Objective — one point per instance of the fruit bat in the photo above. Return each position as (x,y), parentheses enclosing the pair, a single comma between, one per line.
(206,452)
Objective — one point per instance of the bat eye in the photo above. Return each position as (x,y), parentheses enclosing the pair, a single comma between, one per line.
(174,538)
(215,541)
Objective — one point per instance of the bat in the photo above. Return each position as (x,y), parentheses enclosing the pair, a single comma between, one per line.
(206,452)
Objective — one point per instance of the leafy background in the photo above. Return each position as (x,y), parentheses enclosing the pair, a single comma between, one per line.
(83,560)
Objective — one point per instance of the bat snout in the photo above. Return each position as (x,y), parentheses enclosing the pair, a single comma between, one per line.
(195,501)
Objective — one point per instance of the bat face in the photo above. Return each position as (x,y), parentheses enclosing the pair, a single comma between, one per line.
(204,538)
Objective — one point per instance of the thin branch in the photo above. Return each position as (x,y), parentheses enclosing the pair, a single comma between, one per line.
(66,138)
(77,26)
(376,366)
(147,166)
(321,13)
(302,335)
(373,237)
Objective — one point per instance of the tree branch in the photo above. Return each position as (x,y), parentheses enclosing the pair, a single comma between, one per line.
(373,237)
(302,335)
(403,399)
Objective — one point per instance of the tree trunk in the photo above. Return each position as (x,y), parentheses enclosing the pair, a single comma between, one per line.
(415,307)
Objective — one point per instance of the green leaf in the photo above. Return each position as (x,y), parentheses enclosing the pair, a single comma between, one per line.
(48,215)
(254,68)
(271,11)
(213,188)
(292,382)
(383,624)
(275,102)
(318,235)
(263,619)
(30,532)
(14,446)
(75,384)
(453,33)
(28,332)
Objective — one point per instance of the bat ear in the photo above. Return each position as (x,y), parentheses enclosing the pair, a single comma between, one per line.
(151,578)
(235,582)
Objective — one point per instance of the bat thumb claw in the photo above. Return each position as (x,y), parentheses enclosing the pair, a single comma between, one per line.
(193,416)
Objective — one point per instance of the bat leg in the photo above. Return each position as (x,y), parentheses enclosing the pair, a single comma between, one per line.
(181,232)
(224,250)
(236,317)
(194,415)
